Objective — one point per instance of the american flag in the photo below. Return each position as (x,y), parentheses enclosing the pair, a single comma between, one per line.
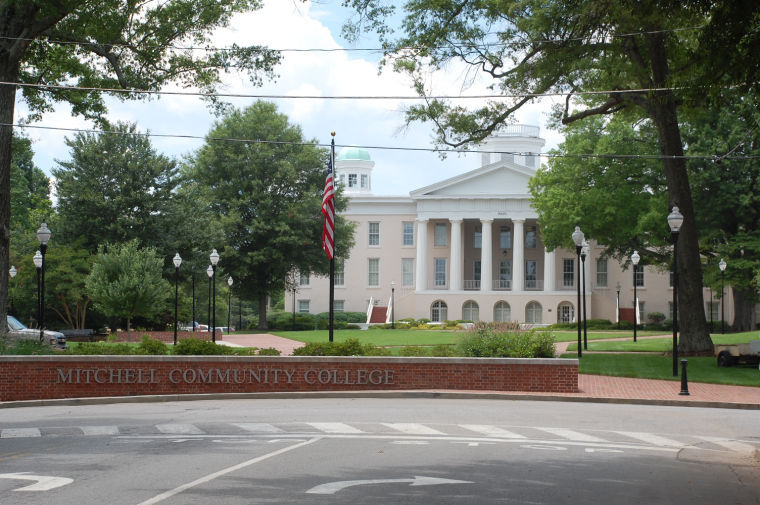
(328,210)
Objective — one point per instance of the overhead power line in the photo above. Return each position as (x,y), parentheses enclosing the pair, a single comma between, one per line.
(386,148)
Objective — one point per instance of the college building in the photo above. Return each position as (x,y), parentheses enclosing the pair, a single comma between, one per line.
(469,247)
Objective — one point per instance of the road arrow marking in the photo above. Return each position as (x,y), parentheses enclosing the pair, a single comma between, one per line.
(334,487)
(44,483)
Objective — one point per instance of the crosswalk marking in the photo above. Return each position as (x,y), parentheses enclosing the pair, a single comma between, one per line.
(652,439)
(179,429)
(99,430)
(731,444)
(413,429)
(575,436)
(20,433)
(258,427)
(491,431)
(340,428)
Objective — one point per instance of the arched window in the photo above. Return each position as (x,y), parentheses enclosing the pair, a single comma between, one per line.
(439,311)
(502,312)
(533,313)
(470,311)
(565,313)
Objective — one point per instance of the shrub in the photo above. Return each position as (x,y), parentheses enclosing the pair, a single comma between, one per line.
(195,346)
(152,346)
(24,347)
(412,351)
(350,347)
(656,317)
(444,351)
(269,351)
(488,340)
(102,348)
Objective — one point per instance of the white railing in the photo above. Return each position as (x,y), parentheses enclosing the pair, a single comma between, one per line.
(369,309)
(502,284)
(534,285)
(520,130)
(471,285)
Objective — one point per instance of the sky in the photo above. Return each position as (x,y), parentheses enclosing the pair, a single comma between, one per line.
(293,24)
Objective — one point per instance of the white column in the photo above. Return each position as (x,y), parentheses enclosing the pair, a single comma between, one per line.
(421,273)
(456,254)
(518,256)
(486,255)
(550,274)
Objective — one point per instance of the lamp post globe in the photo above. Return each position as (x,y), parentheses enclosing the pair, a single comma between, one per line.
(635,258)
(722,265)
(585,251)
(177,260)
(675,220)
(578,241)
(214,257)
(229,303)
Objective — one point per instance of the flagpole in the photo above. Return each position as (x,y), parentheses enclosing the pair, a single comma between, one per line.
(332,258)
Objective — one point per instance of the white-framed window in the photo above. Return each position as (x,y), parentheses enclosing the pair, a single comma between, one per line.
(505,238)
(505,274)
(339,305)
(440,272)
(642,310)
(374,234)
(601,273)
(303,305)
(407,272)
(365,181)
(568,272)
(340,273)
(352,180)
(470,311)
(530,160)
(439,311)
(531,274)
(533,313)
(531,238)
(440,238)
(638,276)
(565,313)
(304,279)
(477,238)
(502,312)
(407,233)
(510,157)
(342,179)
(373,272)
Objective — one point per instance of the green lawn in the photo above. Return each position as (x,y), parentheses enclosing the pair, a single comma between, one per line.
(572,336)
(700,369)
(663,344)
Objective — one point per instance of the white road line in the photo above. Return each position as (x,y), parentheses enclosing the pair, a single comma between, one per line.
(335,428)
(225,471)
(258,427)
(491,431)
(99,430)
(179,429)
(572,435)
(731,444)
(413,429)
(20,433)
(652,439)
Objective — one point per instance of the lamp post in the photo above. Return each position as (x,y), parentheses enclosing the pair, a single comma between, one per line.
(214,257)
(37,259)
(635,260)
(617,287)
(393,305)
(584,253)
(210,273)
(240,313)
(43,235)
(578,240)
(722,266)
(675,220)
(12,272)
(177,262)
(229,303)
(193,283)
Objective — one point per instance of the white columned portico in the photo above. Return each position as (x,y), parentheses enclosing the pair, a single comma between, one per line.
(486,255)
(456,254)
(518,256)
(421,280)
(550,274)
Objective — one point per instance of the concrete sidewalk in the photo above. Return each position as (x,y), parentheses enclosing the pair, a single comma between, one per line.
(597,388)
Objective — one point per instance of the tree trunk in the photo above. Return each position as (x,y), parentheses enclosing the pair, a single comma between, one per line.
(129,330)
(695,335)
(8,73)
(262,312)
(744,309)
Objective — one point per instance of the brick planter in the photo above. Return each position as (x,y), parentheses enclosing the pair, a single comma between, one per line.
(45,377)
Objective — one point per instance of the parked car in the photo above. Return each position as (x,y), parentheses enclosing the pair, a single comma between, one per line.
(17,330)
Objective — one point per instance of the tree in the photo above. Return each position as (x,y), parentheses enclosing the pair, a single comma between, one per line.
(106,44)
(29,189)
(267,193)
(125,281)
(635,55)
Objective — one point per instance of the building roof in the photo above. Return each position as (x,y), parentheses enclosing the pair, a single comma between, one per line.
(353,153)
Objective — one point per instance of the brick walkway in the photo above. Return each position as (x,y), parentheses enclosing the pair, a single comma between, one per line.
(596,387)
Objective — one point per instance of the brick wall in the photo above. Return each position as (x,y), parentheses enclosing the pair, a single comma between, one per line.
(44,377)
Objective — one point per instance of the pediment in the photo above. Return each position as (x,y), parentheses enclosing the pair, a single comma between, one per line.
(497,180)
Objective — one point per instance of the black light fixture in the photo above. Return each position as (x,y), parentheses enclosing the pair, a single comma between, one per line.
(214,257)
(229,303)
(675,220)
(578,240)
(722,265)
(177,260)
(393,305)
(635,258)
(37,259)
(617,287)
(43,235)
(584,253)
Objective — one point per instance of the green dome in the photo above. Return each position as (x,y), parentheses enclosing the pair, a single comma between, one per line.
(353,153)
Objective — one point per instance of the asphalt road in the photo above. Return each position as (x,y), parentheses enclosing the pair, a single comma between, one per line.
(377,451)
